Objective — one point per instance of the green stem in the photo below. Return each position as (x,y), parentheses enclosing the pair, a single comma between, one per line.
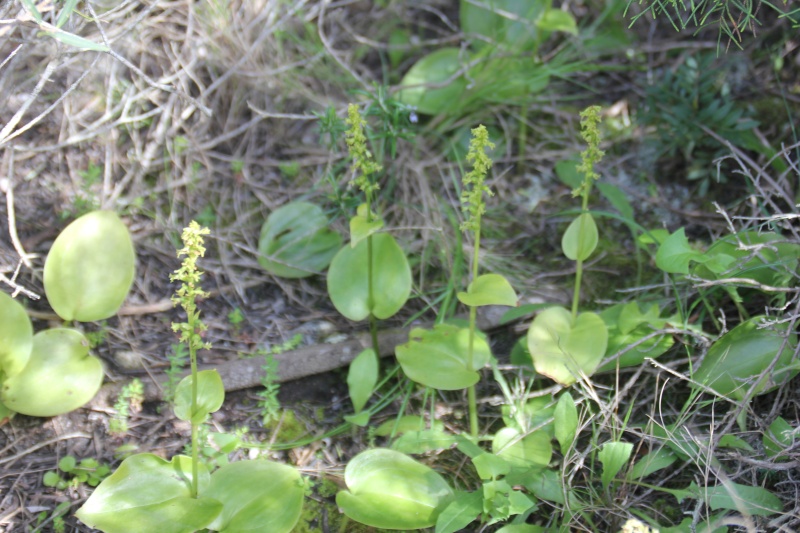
(576,292)
(195,445)
(473,316)
(373,322)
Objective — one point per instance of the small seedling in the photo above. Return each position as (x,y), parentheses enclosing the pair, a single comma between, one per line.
(88,471)
(178,356)
(129,401)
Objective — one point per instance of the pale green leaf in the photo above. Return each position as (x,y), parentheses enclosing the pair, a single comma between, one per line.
(613,456)
(210,395)
(580,239)
(558,20)
(565,421)
(362,377)
(489,289)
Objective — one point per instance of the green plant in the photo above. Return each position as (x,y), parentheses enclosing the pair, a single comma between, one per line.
(733,17)
(88,471)
(177,357)
(148,493)
(370,278)
(684,105)
(236,318)
(55,516)
(85,199)
(129,400)
(502,66)
(567,346)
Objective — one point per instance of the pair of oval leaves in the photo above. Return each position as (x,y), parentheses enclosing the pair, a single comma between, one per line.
(87,276)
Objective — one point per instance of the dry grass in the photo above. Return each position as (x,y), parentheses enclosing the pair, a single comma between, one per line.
(197,111)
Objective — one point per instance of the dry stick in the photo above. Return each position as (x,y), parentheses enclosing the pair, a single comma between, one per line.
(295,364)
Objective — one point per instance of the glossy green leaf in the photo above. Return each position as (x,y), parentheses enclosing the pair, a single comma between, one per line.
(438,358)
(210,395)
(296,241)
(509,24)
(147,494)
(348,281)
(16,336)
(737,359)
(653,462)
(60,375)
(505,80)
(558,20)
(90,268)
(779,437)
(362,378)
(580,239)
(755,501)
(404,424)
(436,68)
(361,228)
(533,449)
(627,326)
(613,456)
(387,489)
(617,197)
(489,289)
(772,265)
(674,254)
(565,421)
(257,496)
(490,466)
(564,351)
(427,440)
(465,508)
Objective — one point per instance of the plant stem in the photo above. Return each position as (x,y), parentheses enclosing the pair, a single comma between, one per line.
(373,322)
(576,292)
(473,316)
(195,444)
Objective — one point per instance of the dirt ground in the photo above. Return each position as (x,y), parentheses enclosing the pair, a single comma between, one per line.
(210,111)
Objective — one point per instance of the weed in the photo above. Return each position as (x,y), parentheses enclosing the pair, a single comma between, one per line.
(129,401)
(177,357)
(75,472)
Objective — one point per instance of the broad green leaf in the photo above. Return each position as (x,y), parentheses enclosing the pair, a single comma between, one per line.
(257,496)
(296,242)
(437,69)
(674,254)
(533,449)
(210,395)
(564,351)
(360,228)
(521,528)
(613,456)
(627,325)
(509,24)
(147,494)
(654,236)
(617,198)
(535,413)
(465,508)
(360,419)
(737,359)
(567,172)
(566,421)
(547,484)
(779,437)
(490,466)
(505,80)
(405,424)
(362,377)
(16,336)
(61,375)
(76,41)
(558,20)
(348,280)
(387,489)
(580,239)
(489,289)
(773,265)
(756,501)
(427,440)
(652,462)
(438,358)
(89,269)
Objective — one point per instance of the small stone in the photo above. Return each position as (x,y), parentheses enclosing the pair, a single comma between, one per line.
(128,360)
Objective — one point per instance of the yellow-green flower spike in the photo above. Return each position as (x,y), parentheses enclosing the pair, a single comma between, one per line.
(189,277)
(474,187)
(357,145)
(590,131)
